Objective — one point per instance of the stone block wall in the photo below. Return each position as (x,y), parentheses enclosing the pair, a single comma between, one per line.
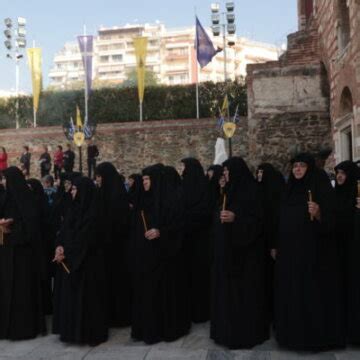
(132,146)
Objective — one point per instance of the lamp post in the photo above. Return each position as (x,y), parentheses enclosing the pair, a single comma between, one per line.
(15,43)
(223,24)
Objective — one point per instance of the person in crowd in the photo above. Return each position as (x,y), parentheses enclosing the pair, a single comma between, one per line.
(58,161)
(157,263)
(214,173)
(197,217)
(308,298)
(238,313)
(45,162)
(113,214)
(135,188)
(353,335)
(47,235)
(80,306)
(22,273)
(25,161)
(3,159)
(271,185)
(346,192)
(69,159)
(92,155)
(49,189)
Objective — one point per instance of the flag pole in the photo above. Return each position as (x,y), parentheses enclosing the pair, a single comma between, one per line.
(86,83)
(197,70)
(34,110)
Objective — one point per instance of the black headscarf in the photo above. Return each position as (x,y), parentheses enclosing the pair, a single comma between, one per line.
(41,198)
(214,185)
(155,197)
(349,188)
(17,189)
(136,189)
(113,199)
(239,175)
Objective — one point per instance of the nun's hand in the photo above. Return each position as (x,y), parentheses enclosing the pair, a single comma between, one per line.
(358,202)
(152,234)
(227,216)
(314,210)
(59,254)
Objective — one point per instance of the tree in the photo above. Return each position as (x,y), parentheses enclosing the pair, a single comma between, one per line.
(151,79)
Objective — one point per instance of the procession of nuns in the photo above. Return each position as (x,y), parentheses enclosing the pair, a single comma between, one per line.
(252,255)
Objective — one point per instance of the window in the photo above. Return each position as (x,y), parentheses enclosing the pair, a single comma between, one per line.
(104,59)
(343,24)
(117,58)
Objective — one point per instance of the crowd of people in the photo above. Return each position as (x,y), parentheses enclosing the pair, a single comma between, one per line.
(246,251)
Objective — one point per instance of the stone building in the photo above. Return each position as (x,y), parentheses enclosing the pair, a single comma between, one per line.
(310,98)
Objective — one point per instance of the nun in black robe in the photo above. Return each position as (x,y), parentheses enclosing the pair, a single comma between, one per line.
(114,218)
(196,237)
(80,304)
(308,297)
(271,185)
(215,192)
(135,189)
(157,263)
(239,311)
(21,265)
(47,235)
(353,275)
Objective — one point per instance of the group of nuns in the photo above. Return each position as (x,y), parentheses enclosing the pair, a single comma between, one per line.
(241,251)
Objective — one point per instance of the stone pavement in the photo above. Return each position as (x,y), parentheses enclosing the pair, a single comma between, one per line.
(195,346)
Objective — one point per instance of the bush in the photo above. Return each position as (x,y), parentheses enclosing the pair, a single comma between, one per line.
(121,104)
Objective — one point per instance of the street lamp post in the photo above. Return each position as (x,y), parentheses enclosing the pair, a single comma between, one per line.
(15,42)
(223,24)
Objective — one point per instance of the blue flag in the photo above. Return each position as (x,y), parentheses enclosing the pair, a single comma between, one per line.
(205,50)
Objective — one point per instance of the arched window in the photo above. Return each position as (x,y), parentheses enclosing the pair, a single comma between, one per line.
(346,102)
(343,24)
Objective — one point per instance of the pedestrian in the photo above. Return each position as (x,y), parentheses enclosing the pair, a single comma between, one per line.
(69,159)
(197,215)
(92,155)
(3,159)
(308,297)
(271,186)
(80,308)
(346,193)
(239,312)
(45,162)
(158,295)
(21,265)
(25,160)
(58,161)
(113,216)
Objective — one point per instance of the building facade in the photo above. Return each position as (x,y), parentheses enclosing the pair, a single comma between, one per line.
(310,98)
(171,57)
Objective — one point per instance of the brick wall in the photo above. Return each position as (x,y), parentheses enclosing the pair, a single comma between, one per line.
(131,146)
(297,100)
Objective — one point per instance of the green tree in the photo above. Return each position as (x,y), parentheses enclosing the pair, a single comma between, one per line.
(151,79)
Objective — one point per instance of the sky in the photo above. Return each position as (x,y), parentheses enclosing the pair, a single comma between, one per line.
(52,23)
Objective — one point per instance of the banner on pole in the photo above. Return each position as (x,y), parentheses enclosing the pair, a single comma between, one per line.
(35,63)
(140,45)
(86,44)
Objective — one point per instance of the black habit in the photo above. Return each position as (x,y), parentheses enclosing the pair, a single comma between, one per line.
(21,265)
(80,306)
(239,313)
(308,297)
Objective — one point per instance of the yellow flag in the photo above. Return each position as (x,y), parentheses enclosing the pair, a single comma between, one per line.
(35,63)
(140,44)
(78,118)
(225,106)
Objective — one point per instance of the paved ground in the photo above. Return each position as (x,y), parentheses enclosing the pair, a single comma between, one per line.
(195,346)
